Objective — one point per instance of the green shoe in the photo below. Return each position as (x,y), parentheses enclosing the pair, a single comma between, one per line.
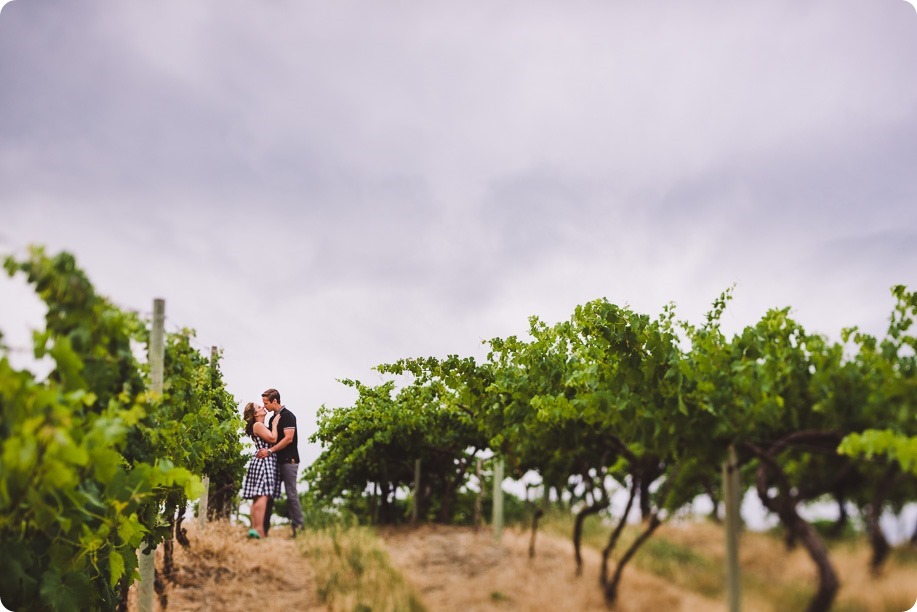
(253,534)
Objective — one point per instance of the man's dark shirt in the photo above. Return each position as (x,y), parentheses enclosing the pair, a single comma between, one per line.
(291,451)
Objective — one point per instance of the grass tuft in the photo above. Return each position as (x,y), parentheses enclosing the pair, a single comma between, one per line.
(353,571)
(498,596)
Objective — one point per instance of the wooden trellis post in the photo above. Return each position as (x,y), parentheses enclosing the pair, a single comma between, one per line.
(497,517)
(731,495)
(147,562)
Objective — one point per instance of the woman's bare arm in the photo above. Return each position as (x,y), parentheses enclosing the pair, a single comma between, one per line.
(268,435)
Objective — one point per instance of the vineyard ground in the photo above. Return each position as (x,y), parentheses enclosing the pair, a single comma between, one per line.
(458,569)
(455,568)
(449,567)
(224,570)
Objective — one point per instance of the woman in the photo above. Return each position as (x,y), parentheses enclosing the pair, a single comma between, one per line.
(261,475)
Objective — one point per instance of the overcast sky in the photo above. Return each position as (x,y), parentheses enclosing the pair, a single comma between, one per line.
(318,188)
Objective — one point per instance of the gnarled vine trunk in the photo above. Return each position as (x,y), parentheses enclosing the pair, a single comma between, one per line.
(837,529)
(714,499)
(616,534)
(599,502)
(536,515)
(877,541)
(450,488)
(611,587)
(220,501)
(783,504)
(647,472)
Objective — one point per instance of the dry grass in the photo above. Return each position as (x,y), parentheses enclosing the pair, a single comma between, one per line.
(224,570)
(353,571)
(458,569)
(786,578)
(691,555)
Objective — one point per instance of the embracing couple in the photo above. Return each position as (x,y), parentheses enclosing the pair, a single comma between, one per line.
(276,460)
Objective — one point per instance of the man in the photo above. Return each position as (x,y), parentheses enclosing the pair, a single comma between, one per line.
(287,450)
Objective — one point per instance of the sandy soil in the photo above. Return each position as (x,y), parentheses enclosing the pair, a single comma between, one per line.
(458,569)
(225,571)
(450,568)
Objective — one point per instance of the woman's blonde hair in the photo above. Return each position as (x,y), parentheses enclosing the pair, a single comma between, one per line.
(249,415)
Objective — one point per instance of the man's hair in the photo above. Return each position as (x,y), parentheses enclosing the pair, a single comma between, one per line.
(271,395)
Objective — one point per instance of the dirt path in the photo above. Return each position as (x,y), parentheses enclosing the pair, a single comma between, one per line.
(458,569)
(223,570)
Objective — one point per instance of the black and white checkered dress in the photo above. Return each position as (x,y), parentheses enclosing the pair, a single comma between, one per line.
(261,474)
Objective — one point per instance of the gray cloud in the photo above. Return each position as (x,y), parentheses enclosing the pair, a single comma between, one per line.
(357,183)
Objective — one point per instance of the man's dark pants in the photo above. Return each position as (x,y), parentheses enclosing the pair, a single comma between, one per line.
(287,472)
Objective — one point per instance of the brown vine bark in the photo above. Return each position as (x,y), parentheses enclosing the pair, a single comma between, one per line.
(877,541)
(648,471)
(599,502)
(181,534)
(176,512)
(615,535)
(611,588)
(220,501)
(159,586)
(450,487)
(783,504)
(385,511)
(644,484)
(837,529)
(125,586)
(536,515)
(714,498)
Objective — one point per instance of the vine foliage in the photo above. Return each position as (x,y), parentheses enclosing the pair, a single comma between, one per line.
(89,457)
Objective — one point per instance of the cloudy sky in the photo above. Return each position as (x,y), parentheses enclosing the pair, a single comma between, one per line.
(321,187)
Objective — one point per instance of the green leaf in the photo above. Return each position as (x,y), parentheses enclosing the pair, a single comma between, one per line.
(116,566)
(130,530)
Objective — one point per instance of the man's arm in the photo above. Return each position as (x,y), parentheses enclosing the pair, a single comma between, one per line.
(283,443)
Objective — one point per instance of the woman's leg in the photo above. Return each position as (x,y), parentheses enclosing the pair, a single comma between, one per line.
(258,507)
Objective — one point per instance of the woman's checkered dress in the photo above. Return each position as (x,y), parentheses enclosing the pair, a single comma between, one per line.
(261,475)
